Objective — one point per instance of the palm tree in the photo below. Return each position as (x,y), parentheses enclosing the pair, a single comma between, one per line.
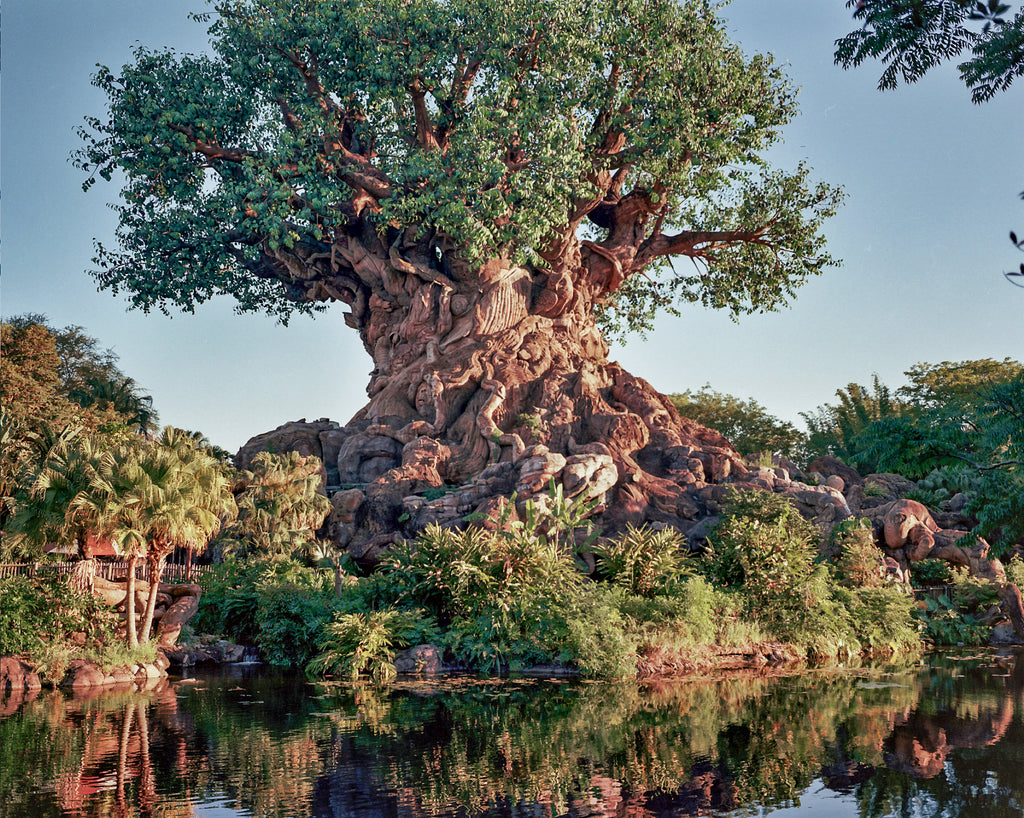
(121,395)
(162,494)
(53,510)
(280,505)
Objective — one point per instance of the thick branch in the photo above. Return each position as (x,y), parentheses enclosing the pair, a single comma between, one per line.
(424,129)
(696,243)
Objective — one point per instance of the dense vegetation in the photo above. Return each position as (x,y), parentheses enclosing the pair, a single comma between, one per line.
(512,594)
(955,427)
(514,598)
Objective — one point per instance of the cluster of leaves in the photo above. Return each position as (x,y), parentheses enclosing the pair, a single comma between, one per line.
(643,562)
(913,36)
(276,605)
(767,552)
(959,616)
(281,506)
(52,380)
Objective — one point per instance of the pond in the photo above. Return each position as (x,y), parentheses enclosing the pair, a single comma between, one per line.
(943,737)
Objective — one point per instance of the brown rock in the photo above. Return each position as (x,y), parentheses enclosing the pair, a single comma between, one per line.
(421,659)
(82,675)
(16,676)
(829,466)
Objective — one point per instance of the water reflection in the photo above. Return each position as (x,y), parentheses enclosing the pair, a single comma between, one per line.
(945,739)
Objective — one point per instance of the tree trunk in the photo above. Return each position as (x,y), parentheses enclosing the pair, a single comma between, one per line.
(496,381)
(131,626)
(83,577)
(155,562)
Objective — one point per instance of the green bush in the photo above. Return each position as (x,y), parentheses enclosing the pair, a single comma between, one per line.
(290,617)
(765,547)
(277,605)
(880,619)
(930,572)
(642,561)
(461,573)
(958,617)
(859,562)
(1015,571)
(40,617)
(353,644)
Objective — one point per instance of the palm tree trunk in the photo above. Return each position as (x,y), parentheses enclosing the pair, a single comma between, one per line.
(122,759)
(156,572)
(84,575)
(131,627)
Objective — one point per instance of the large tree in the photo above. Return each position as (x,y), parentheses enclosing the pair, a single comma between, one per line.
(486,187)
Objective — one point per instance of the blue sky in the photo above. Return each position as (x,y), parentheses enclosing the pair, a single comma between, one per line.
(932,186)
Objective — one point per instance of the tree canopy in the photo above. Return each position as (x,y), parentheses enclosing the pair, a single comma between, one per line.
(913,36)
(958,427)
(536,132)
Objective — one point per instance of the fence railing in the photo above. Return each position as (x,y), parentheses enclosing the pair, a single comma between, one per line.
(116,570)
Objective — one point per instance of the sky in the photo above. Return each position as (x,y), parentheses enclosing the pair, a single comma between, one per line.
(932,186)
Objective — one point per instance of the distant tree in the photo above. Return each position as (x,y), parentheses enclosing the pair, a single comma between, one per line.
(959,427)
(747,424)
(54,379)
(49,370)
(835,429)
(911,37)
(934,385)
(121,395)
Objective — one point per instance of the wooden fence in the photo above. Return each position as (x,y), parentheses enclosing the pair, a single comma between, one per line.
(116,570)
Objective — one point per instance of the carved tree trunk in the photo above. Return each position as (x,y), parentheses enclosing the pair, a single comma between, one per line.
(495,380)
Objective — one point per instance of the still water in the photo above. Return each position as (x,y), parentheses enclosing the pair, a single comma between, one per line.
(943,738)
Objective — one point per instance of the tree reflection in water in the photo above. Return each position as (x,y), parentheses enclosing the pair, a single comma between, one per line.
(943,739)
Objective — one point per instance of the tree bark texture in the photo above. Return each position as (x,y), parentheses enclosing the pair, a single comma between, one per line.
(489,382)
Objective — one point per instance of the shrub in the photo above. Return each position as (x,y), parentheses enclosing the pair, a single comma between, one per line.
(930,572)
(40,617)
(765,547)
(642,561)
(289,618)
(880,619)
(959,615)
(859,562)
(353,644)
(276,605)
(460,573)
(1015,571)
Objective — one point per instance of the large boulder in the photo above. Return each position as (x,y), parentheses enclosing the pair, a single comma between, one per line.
(322,438)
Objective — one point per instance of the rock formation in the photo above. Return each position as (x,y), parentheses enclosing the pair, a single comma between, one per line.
(176,605)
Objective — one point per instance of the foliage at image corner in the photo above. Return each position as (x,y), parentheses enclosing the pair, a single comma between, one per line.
(955,427)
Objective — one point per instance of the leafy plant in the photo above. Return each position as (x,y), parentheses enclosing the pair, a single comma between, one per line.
(355,644)
(50,623)
(959,615)
(859,563)
(642,561)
